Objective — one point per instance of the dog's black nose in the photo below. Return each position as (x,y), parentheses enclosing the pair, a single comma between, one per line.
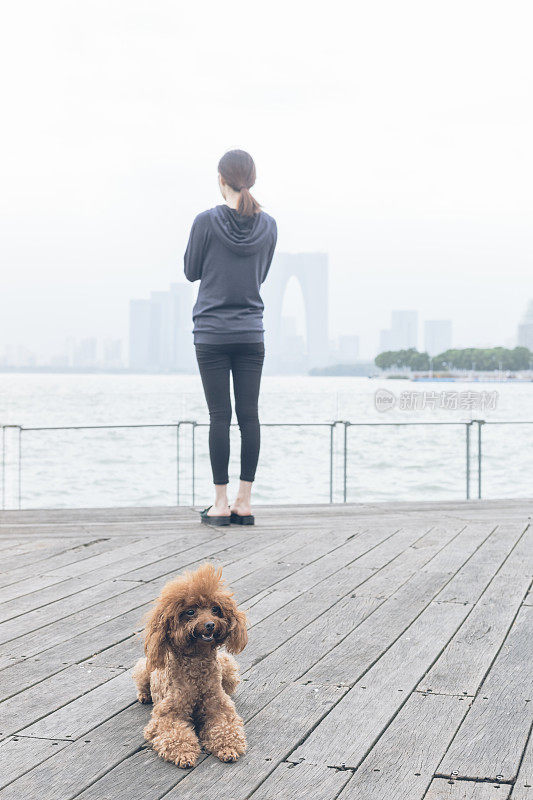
(209,626)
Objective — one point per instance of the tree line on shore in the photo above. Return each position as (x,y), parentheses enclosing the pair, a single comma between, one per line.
(471,358)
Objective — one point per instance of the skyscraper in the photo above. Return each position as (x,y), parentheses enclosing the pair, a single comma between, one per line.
(403,333)
(311,272)
(525,328)
(182,348)
(404,329)
(139,337)
(437,336)
(161,331)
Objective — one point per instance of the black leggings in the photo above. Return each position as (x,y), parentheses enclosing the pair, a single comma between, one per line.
(245,361)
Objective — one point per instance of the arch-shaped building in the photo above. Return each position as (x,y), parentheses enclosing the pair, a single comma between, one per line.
(311,271)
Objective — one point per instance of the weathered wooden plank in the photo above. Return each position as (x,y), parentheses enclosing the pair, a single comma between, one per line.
(490,742)
(292,608)
(86,644)
(287,542)
(262,682)
(443,789)
(401,764)
(31,705)
(37,551)
(483,564)
(18,756)
(71,569)
(367,643)
(80,763)
(37,619)
(375,622)
(523,788)
(73,558)
(27,586)
(123,655)
(467,658)
(142,776)
(380,693)
(368,566)
(17,676)
(296,781)
(86,712)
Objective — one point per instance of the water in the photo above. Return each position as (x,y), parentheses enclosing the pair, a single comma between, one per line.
(138,467)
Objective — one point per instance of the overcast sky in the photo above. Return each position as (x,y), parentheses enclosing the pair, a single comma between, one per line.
(394,136)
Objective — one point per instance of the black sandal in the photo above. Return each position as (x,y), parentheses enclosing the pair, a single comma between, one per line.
(237,519)
(216,521)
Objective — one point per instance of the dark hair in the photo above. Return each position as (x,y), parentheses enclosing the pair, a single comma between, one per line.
(238,170)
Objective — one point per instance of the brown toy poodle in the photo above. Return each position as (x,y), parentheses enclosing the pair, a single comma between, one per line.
(186,676)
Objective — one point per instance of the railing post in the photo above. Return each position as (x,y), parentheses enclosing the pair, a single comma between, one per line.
(3,467)
(345,460)
(467,428)
(480,422)
(193,464)
(20,467)
(178,464)
(331,463)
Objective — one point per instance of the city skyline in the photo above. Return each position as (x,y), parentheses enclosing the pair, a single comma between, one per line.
(160,329)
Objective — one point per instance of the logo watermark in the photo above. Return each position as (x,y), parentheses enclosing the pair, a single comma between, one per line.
(385,400)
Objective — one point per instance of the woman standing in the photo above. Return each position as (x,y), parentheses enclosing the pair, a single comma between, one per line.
(230,251)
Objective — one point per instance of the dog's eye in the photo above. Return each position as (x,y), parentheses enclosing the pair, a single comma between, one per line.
(216,610)
(190,612)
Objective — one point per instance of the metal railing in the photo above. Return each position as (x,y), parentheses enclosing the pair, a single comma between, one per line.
(344,425)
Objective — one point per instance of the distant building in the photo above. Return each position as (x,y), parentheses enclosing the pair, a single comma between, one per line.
(293,358)
(385,341)
(85,353)
(183,350)
(403,333)
(437,336)
(311,272)
(112,354)
(139,337)
(525,328)
(18,356)
(161,331)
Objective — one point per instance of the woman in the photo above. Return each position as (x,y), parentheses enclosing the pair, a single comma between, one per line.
(230,251)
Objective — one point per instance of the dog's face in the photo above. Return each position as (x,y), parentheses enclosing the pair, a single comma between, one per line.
(194,614)
(205,623)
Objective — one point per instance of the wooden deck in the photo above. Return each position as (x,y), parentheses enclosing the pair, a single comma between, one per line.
(390,652)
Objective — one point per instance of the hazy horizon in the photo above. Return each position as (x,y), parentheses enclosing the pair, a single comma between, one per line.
(396,138)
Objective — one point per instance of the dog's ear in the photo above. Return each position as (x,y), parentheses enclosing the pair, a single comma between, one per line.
(237,638)
(156,642)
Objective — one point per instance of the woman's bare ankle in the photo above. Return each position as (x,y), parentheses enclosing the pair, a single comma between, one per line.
(220,507)
(219,510)
(242,506)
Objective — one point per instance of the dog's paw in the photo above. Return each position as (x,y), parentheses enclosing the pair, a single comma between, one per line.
(228,754)
(144,697)
(185,760)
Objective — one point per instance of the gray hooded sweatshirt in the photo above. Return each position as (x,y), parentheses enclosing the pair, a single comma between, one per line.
(230,255)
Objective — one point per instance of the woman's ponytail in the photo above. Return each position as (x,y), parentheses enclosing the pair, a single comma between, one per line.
(247,204)
(238,170)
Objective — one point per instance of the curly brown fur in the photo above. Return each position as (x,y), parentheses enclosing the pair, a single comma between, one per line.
(185,675)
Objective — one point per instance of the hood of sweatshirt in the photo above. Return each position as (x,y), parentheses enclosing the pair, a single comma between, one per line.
(243,235)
